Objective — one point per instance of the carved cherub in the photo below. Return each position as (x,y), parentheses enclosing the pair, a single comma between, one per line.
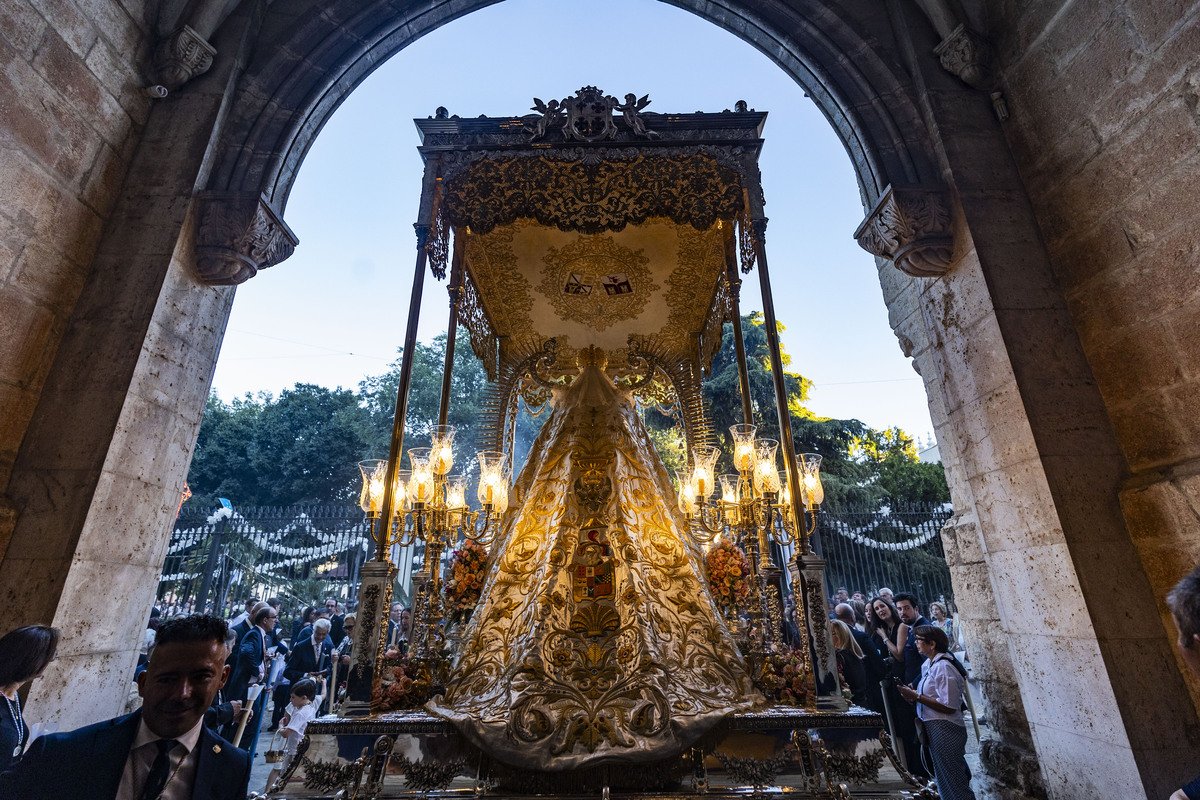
(632,112)
(552,113)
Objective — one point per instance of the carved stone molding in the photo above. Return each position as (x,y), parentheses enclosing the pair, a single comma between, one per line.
(181,56)
(239,234)
(968,55)
(910,226)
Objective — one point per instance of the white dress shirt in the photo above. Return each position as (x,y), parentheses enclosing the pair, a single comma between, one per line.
(182,767)
(941,681)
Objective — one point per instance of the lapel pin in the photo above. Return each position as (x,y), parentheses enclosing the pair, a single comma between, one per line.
(216,748)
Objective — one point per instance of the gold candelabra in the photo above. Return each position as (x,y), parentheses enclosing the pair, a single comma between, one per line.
(753,509)
(431,507)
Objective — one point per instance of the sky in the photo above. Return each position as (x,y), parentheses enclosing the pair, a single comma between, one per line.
(335,312)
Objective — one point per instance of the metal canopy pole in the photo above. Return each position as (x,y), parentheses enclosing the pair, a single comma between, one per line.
(379,574)
(808,570)
(759,226)
(455,289)
(739,345)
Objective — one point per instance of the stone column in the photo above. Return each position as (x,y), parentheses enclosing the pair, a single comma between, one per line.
(1038,465)
(94,494)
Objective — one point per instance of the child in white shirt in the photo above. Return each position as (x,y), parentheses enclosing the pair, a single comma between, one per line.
(301,711)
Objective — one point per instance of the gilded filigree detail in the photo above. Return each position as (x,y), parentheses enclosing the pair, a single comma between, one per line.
(437,246)
(496,275)
(693,286)
(596,282)
(593,194)
(595,635)
(475,318)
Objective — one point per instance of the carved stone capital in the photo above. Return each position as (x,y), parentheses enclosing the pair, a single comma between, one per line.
(181,56)
(910,226)
(968,55)
(239,234)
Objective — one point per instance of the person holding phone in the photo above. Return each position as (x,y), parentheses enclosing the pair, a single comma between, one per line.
(938,699)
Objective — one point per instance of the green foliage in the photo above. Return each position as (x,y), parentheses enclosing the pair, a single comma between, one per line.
(860,465)
(299,448)
(467,391)
(303,447)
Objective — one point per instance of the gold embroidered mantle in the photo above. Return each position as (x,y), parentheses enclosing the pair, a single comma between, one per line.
(596,639)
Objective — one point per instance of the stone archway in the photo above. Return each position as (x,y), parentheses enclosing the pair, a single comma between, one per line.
(108,444)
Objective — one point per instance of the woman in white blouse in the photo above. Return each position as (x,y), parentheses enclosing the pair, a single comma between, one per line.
(939,698)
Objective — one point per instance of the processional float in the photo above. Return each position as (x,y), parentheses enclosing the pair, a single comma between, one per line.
(625,633)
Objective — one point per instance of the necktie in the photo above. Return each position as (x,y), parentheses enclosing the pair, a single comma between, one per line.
(160,770)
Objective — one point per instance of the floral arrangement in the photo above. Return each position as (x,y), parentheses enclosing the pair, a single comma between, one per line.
(463,587)
(728,574)
(403,684)
(785,678)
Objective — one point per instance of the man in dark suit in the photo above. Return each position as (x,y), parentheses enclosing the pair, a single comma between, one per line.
(163,749)
(336,621)
(252,667)
(906,606)
(310,658)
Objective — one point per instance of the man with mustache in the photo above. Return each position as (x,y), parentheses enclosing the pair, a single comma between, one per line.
(161,751)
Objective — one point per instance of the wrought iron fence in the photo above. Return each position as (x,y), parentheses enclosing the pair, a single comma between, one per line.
(299,554)
(898,547)
(304,554)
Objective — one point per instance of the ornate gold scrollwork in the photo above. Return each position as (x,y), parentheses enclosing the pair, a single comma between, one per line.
(571,195)
(478,322)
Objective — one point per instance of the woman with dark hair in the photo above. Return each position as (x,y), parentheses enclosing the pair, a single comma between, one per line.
(883,622)
(939,698)
(24,654)
(298,624)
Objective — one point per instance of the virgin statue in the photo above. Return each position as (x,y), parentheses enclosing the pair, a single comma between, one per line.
(596,639)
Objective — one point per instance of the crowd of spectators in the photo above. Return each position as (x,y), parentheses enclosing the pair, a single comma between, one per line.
(898,663)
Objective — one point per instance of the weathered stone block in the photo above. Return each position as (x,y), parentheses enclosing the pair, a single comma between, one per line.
(975,364)
(26,327)
(68,73)
(22,25)
(1037,593)
(1149,431)
(70,22)
(1014,509)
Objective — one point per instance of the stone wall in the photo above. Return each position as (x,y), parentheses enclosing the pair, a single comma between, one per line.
(1105,129)
(73,112)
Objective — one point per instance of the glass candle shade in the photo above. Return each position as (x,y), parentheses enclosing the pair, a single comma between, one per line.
(373,474)
(703,471)
(442,449)
(683,488)
(743,447)
(400,490)
(810,480)
(493,478)
(456,492)
(420,485)
(766,473)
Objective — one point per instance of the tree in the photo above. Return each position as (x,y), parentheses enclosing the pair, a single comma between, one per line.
(300,448)
(860,465)
(468,390)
